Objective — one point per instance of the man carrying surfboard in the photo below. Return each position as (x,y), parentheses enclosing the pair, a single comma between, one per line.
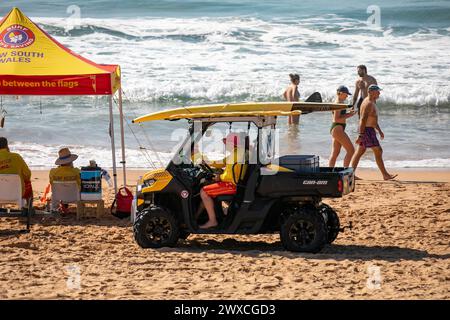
(361,86)
(367,136)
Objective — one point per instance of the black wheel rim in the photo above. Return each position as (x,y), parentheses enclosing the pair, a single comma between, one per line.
(158,229)
(302,232)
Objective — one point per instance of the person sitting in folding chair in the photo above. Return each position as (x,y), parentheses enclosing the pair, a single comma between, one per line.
(65,172)
(13,163)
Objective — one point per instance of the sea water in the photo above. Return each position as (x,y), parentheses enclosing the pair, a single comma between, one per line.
(180,53)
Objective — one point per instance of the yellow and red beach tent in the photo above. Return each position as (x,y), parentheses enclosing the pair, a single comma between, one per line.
(33,63)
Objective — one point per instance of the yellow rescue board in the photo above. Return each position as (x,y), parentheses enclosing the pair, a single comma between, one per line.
(241,109)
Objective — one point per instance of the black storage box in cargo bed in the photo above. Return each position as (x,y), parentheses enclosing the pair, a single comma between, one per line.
(300,163)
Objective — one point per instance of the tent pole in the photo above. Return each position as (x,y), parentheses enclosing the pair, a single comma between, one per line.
(122,139)
(113,146)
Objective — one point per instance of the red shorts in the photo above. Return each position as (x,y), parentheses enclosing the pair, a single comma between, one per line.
(219,189)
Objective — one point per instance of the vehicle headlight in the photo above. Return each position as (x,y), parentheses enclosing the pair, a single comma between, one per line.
(148,183)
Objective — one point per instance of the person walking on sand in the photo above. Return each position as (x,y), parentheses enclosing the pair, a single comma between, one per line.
(339,137)
(367,137)
(361,86)
(291,94)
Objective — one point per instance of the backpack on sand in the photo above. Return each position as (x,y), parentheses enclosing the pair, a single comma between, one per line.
(121,207)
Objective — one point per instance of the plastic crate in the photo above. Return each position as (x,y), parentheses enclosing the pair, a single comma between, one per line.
(300,163)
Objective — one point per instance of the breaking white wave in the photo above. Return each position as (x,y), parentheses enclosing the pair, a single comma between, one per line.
(169,62)
(239,58)
(43,157)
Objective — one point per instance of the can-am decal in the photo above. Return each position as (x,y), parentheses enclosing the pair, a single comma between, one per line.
(315,182)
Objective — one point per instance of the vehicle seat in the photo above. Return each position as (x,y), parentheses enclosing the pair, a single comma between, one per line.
(225,197)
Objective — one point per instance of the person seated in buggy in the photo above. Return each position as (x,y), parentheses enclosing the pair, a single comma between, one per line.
(225,183)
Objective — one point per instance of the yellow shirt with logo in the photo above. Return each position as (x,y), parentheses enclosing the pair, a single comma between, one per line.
(237,157)
(65,174)
(13,163)
(226,164)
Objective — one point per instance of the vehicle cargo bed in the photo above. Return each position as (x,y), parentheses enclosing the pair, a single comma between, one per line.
(326,182)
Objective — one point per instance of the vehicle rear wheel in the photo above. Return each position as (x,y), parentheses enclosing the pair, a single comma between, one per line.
(333,224)
(156,227)
(304,231)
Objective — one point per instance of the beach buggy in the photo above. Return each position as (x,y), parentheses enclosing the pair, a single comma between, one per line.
(273,194)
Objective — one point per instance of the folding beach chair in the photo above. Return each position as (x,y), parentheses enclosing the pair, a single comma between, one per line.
(65,192)
(11,193)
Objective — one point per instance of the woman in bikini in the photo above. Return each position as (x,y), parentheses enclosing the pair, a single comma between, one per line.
(340,138)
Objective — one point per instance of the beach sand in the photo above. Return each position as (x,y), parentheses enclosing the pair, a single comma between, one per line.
(398,248)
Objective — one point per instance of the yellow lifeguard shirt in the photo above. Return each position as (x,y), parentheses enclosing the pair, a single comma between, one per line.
(13,163)
(226,164)
(65,174)
(227,175)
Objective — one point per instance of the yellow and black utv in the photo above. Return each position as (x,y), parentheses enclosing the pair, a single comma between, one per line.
(273,194)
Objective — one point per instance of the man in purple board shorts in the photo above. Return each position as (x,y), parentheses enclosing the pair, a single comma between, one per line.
(367,136)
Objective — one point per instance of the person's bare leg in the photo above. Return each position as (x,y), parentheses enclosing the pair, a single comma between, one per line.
(342,138)
(201,207)
(356,157)
(335,149)
(345,141)
(209,205)
(378,152)
(295,119)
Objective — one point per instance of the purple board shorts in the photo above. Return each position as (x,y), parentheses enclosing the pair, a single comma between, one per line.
(369,140)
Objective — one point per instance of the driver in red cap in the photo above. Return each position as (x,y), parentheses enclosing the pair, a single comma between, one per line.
(225,184)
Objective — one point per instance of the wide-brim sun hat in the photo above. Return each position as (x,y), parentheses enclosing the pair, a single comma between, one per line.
(65,157)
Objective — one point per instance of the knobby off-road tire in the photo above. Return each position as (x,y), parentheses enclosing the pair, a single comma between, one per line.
(156,227)
(333,224)
(304,231)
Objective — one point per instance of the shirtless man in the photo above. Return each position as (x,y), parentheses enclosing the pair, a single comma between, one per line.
(367,136)
(362,85)
(292,94)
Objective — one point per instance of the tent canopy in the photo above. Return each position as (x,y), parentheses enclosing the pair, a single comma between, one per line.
(33,63)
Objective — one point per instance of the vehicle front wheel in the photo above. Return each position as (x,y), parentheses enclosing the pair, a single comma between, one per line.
(156,227)
(304,231)
(333,224)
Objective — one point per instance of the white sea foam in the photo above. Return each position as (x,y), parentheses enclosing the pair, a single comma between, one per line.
(175,59)
(43,157)
(182,61)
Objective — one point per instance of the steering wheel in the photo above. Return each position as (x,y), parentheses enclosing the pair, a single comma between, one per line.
(206,167)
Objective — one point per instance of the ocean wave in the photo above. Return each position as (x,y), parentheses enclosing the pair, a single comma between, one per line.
(40,156)
(231,59)
(239,92)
